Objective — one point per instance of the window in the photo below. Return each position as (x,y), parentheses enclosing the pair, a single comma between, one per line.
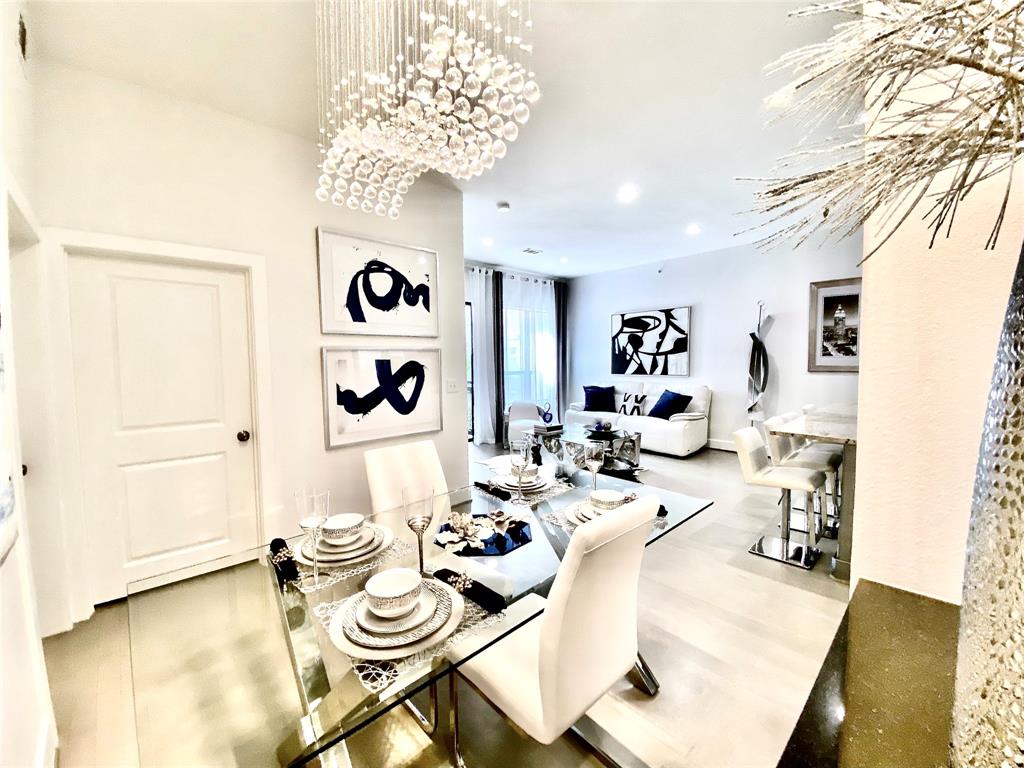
(530,360)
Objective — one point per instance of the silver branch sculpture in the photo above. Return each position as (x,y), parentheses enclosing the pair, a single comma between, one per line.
(938,86)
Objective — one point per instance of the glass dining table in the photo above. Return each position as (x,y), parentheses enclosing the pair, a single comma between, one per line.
(236,645)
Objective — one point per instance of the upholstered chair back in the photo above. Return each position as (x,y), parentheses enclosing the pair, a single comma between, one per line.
(588,639)
(779,446)
(413,466)
(751,451)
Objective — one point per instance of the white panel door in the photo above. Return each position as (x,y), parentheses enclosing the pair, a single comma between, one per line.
(162,391)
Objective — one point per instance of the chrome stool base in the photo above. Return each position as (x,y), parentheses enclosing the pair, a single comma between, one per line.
(785,551)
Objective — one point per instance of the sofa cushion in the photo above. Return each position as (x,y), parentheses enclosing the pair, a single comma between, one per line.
(599,399)
(632,404)
(701,402)
(669,404)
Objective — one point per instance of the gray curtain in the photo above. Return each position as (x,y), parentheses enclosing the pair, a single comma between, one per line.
(562,346)
(499,358)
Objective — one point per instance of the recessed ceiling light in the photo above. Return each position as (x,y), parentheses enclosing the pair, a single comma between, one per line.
(503,206)
(564,260)
(488,242)
(627,193)
(693,228)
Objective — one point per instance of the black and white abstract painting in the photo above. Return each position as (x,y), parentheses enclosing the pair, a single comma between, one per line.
(653,342)
(372,288)
(371,394)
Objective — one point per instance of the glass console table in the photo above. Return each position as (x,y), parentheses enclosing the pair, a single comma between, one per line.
(228,667)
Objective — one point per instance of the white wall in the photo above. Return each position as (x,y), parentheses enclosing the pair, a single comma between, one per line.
(723,288)
(931,324)
(118,159)
(28,735)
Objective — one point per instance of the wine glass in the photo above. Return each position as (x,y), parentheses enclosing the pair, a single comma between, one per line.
(418,515)
(594,458)
(313,509)
(520,461)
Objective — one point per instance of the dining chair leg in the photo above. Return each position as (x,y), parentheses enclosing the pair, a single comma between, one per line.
(427,723)
(453,722)
(643,678)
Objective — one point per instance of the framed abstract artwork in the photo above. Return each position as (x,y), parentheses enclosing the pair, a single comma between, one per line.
(653,342)
(372,288)
(833,334)
(372,394)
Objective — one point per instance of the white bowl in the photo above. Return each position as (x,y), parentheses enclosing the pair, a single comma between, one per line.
(606,498)
(393,592)
(342,529)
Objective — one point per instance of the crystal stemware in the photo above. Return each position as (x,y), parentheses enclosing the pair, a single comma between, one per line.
(418,515)
(594,458)
(519,455)
(313,509)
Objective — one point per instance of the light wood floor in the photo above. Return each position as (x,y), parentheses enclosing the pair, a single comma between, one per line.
(735,640)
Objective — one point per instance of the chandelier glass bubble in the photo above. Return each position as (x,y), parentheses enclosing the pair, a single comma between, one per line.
(407,86)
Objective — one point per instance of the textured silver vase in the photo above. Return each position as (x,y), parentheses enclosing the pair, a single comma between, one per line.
(988,714)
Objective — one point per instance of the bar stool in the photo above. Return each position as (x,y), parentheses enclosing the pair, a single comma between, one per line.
(758,470)
(803,443)
(784,454)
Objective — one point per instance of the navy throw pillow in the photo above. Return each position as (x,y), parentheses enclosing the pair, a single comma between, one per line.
(599,398)
(669,404)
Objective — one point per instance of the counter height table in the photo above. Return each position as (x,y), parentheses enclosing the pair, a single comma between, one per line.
(835,424)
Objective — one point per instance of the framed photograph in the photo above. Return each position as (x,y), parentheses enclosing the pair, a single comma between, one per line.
(372,394)
(373,288)
(834,326)
(653,342)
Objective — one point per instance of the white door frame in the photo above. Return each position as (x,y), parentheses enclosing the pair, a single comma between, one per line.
(59,246)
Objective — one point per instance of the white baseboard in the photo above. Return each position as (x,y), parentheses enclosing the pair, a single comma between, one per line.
(722,445)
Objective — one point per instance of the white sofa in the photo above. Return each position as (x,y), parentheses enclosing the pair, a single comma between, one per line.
(679,435)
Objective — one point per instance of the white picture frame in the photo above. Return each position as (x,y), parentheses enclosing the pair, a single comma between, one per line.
(354,374)
(651,342)
(376,288)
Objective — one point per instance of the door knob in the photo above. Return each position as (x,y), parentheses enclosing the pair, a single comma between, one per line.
(243,436)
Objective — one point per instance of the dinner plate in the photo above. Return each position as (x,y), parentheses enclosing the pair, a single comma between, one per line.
(580,513)
(423,610)
(335,559)
(342,643)
(359,636)
(362,539)
(509,483)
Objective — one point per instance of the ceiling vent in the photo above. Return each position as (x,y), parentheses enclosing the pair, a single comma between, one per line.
(532,251)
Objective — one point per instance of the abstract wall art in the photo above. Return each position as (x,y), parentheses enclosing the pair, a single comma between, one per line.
(654,342)
(833,335)
(371,394)
(373,288)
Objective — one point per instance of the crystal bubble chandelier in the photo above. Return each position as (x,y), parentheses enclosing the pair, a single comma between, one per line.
(407,86)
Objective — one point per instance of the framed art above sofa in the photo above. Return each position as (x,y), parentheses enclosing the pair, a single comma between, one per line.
(653,342)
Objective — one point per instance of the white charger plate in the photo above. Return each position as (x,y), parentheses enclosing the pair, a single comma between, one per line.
(348,558)
(343,644)
(581,512)
(420,614)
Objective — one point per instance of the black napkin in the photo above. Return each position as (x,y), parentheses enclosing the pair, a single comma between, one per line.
(662,512)
(284,562)
(485,597)
(494,490)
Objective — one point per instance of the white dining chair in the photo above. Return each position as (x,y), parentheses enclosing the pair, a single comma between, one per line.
(415,467)
(758,470)
(546,674)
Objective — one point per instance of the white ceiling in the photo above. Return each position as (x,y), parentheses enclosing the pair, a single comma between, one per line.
(664,95)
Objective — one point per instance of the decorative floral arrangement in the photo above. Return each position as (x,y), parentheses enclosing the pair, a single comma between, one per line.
(898,145)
